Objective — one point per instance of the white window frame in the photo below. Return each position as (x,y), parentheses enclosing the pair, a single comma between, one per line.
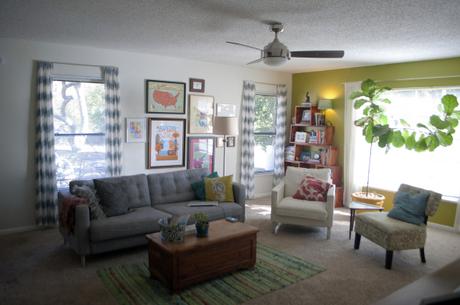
(265,172)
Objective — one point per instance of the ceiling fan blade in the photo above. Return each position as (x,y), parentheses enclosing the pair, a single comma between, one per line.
(255,61)
(243,45)
(318,54)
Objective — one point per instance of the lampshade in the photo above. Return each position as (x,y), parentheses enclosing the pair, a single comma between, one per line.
(324,104)
(225,126)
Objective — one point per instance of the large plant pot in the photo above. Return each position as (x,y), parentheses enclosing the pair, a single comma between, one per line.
(370,198)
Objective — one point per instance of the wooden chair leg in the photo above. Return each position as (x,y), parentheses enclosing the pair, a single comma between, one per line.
(388,259)
(357,240)
(422,255)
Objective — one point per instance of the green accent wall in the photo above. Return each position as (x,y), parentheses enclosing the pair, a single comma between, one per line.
(329,85)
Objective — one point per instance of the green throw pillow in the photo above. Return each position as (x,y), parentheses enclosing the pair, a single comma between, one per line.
(219,189)
(198,187)
(409,207)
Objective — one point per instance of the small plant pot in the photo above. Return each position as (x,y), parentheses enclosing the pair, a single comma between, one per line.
(202,230)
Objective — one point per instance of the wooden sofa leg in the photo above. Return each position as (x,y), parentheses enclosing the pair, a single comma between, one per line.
(83,261)
(357,240)
(422,255)
(388,259)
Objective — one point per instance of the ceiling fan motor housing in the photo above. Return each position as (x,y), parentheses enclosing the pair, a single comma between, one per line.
(275,53)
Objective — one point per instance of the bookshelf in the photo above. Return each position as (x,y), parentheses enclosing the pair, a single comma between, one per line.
(311,145)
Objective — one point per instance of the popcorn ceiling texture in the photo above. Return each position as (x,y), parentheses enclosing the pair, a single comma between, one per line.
(370,32)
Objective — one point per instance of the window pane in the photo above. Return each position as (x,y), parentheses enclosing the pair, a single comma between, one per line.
(79,157)
(264,155)
(265,112)
(78,107)
(436,170)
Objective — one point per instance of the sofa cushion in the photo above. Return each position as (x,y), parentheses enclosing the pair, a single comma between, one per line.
(139,221)
(219,189)
(174,186)
(88,193)
(312,189)
(295,175)
(291,207)
(118,194)
(391,234)
(223,210)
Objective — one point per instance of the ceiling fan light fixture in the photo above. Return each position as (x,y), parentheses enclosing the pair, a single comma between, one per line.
(275,60)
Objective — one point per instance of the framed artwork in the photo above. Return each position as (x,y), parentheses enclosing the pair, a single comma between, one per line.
(300,137)
(165,97)
(166,147)
(196,85)
(231,141)
(306,116)
(200,113)
(201,153)
(135,130)
(226,110)
(220,142)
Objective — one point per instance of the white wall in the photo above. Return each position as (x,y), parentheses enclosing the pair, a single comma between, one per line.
(17,115)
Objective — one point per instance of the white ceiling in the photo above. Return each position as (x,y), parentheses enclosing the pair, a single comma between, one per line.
(370,31)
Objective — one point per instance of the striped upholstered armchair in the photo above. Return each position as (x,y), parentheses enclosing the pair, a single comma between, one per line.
(393,234)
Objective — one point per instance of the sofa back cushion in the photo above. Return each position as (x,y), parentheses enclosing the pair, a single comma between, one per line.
(174,186)
(295,175)
(118,194)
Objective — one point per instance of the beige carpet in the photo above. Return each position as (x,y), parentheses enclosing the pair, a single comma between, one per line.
(36,269)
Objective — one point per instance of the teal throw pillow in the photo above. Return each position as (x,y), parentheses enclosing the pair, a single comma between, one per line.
(198,187)
(409,207)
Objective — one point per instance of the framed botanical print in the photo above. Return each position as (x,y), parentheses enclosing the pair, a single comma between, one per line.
(201,153)
(165,97)
(231,141)
(166,147)
(135,130)
(201,111)
(196,85)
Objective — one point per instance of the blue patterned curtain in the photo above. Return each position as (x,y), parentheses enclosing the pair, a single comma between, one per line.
(247,138)
(280,139)
(112,120)
(46,206)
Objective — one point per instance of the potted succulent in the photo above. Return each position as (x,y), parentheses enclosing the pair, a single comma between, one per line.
(201,224)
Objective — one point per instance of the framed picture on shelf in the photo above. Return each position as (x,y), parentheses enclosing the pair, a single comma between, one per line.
(165,97)
(306,116)
(166,146)
(196,85)
(201,112)
(300,137)
(231,141)
(135,130)
(226,110)
(220,142)
(201,153)
(320,119)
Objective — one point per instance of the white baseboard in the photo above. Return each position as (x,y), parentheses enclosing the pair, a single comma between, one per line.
(18,230)
(262,195)
(442,227)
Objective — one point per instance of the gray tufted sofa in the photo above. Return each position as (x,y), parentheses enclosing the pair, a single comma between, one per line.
(149,198)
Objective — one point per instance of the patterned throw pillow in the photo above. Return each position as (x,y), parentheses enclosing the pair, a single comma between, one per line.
(198,187)
(219,189)
(89,194)
(312,189)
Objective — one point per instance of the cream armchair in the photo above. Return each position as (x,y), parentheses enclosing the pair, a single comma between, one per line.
(287,210)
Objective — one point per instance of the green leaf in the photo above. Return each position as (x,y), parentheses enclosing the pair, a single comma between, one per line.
(449,102)
(379,130)
(385,138)
(383,119)
(366,111)
(410,141)
(367,86)
(386,101)
(356,94)
(360,122)
(420,125)
(453,122)
(420,145)
(359,103)
(397,139)
(437,122)
(445,139)
(456,114)
(431,142)
(404,123)
(369,135)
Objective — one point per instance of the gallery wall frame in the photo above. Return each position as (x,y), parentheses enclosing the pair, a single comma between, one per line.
(201,153)
(165,96)
(136,130)
(200,114)
(166,145)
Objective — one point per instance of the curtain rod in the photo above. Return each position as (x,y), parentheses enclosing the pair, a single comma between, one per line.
(264,83)
(75,64)
(410,78)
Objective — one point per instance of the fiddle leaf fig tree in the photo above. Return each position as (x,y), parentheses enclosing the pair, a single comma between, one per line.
(424,137)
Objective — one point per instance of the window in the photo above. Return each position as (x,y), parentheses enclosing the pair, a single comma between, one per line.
(264,133)
(79,130)
(436,170)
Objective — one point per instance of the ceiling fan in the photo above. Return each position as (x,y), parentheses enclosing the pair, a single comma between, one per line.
(275,53)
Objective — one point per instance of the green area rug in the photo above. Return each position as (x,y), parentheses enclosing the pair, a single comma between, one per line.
(131,284)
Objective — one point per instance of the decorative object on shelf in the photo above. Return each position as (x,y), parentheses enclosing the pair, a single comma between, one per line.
(201,153)
(165,97)
(231,141)
(304,156)
(376,129)
(201,111)
(324,104)
(196,85)
(300,137)
(226,110)
(306,102)
(220,142)
(166,147)
(306,116)
(225,126)
(201,224)
(320,119)
(289,153)
(135,130)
